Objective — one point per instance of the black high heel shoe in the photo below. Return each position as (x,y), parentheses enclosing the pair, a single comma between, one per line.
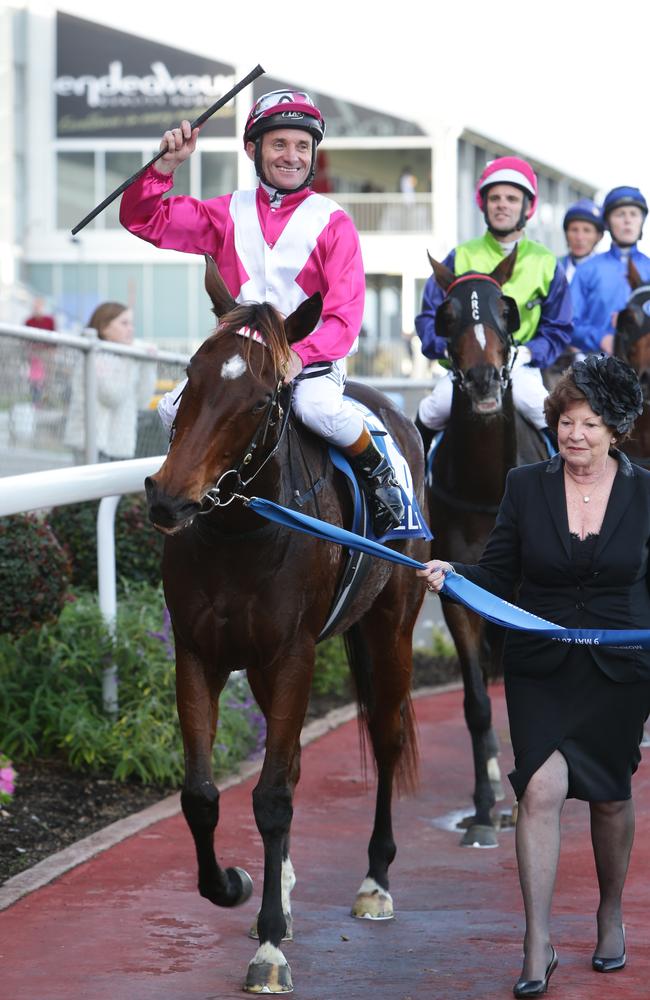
(599,964)
(536,987)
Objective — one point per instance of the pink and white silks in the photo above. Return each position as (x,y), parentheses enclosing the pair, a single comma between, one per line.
(279,253)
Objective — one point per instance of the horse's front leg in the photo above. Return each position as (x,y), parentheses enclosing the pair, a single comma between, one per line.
(257,685)
(466,630)
(287,690)
(197,696)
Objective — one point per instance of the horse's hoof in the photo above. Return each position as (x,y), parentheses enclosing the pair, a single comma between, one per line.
(373,902)
(270,973)
(246,885)
(480,836)
(288,934)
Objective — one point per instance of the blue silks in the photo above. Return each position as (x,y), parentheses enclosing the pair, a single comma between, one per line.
(475,598)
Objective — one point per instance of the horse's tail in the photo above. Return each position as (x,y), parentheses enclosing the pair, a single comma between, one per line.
(359,659)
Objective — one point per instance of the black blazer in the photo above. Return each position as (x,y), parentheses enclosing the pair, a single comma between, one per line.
(528,554)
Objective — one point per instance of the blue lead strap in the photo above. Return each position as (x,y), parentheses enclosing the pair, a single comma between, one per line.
(475,598)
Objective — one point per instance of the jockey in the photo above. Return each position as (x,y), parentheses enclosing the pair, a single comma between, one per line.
(583,230)
(280,243)
(506,193)
(601,288)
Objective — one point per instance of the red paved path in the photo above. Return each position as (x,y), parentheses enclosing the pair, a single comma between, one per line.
(129,924)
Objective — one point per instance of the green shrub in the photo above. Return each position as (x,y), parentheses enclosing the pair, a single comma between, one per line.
(34,573)
(51,694)
(138,546)
(332,673)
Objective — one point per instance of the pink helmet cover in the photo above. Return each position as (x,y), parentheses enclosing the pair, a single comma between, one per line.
(509,170)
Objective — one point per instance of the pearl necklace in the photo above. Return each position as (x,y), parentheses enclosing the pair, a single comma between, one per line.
(586,499)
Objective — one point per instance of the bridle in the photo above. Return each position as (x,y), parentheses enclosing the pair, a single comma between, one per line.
(504,374)
(277,411)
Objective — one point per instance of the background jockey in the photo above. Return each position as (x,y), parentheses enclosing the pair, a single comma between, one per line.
(601,288)
(583,229)
(280,243)
(506,192)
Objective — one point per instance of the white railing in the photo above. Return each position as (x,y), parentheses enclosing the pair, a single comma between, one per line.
(106,482)
(388,213)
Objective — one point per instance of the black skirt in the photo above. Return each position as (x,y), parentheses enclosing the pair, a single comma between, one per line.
(595,723)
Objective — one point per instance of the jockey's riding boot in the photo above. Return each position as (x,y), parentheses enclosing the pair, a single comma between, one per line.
(426,433)
(378,482)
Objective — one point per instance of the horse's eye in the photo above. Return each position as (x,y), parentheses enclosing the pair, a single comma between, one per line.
(261,404)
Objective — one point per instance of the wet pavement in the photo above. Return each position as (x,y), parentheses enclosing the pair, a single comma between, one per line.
(128,923)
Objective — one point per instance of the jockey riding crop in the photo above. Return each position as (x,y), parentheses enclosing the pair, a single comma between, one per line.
(253,75)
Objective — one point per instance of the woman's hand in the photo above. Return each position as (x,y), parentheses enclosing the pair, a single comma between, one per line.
(179,144)
(434,574)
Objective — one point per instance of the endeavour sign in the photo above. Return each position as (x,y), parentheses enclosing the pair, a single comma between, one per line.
(111,84)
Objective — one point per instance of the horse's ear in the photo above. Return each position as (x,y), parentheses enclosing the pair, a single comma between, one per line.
(503,271)
(633,275)
(441,273)
(629,320)
(215,286)
(303,319)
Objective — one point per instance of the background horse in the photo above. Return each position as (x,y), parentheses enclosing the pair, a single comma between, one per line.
(243,593)
(484,439)
(632,344)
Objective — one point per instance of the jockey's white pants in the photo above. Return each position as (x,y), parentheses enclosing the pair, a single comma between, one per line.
(319,405)
(528,395)
(317,402)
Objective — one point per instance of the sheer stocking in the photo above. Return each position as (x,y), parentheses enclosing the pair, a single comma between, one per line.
(612,833)
(538,850)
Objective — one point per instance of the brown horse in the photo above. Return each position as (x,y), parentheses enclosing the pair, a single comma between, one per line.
(243,593)
(632,344)
(484,439)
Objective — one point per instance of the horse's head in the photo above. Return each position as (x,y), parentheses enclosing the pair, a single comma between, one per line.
(632,340)
(477,320)
(231,407)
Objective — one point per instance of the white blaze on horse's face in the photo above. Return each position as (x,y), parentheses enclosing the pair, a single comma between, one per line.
(479,333)
(234,367)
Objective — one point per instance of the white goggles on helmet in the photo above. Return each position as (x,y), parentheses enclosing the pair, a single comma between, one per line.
(276,97)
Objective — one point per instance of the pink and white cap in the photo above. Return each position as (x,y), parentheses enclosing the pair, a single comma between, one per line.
(509,170)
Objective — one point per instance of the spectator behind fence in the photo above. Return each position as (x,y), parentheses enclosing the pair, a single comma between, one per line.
(37,352)
(124,385)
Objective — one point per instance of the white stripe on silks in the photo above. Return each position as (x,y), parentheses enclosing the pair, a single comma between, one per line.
(272,271)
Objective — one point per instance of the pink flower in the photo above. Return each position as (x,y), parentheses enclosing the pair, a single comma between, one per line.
(7,779)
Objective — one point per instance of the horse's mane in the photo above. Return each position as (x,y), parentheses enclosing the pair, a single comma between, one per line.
(265,320)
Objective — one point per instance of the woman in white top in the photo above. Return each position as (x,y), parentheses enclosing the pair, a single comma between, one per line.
(124,386)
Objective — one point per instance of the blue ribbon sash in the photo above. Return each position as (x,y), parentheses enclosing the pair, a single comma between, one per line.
(493,608)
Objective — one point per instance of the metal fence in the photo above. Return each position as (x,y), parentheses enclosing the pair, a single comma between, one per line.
(50,380)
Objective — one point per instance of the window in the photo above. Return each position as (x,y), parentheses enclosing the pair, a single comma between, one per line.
(75,188)
(218,174)
(117,168)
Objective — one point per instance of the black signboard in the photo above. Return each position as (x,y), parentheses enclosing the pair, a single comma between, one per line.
(110,84)
(343,118)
